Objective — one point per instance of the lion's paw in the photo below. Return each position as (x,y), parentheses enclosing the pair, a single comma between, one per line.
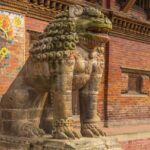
(30,130)
(90,130)
(65,133)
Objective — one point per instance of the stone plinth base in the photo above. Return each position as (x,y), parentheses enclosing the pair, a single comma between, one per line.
(46,143)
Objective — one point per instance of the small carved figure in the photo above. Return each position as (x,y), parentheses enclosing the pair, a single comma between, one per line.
(69,56)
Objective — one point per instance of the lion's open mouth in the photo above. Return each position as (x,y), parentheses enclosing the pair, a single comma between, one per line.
(98,34)
(94,36)
(95,30)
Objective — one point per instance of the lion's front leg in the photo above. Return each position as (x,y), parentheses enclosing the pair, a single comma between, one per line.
(90,121)
(62,98)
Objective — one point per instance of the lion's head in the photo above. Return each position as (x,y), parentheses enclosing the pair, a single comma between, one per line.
(85,26)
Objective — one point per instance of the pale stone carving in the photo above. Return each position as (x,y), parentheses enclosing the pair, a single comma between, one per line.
(69,56)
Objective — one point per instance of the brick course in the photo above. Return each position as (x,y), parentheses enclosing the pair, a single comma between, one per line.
(143,144)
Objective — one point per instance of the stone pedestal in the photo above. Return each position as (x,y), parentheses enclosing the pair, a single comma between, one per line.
(46,143)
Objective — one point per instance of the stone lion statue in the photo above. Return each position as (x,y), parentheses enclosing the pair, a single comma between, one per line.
(69,56)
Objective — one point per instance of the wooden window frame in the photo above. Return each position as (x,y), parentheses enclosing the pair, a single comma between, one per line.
(140,76)
(135,83)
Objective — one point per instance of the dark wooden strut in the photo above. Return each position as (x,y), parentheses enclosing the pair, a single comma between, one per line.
(128,5)
(106,76)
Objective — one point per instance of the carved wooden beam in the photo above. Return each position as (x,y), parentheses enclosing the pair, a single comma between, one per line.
(128,5)
(129,28)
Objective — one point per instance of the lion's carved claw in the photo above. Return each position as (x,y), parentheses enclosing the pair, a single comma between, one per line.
(91,130)
(65,133)
(30,130)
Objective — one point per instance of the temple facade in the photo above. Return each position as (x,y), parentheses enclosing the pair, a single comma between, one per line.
(124,96)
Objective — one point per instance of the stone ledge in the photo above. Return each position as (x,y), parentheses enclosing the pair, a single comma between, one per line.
(46,143)
(126,130)
(132,136)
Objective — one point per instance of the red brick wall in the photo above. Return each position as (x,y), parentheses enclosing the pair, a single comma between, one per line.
(19,52)
(136,145)
(33,25)
(110,4)
(126,109)
(13,42)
